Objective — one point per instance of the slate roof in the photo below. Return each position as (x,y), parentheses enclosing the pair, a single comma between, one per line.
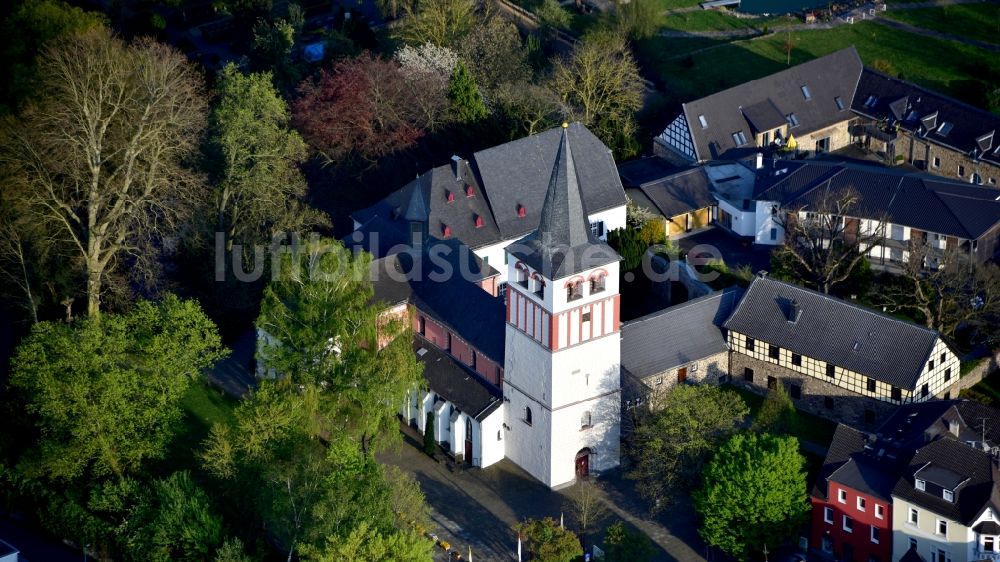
(677,335)
(922,111)
(563,243)
(977,470)
(865,473)
(921,201)
(846,442)
(397,279)
(504,179)
(756,106)
(679,193)
(834,331)
(457,383)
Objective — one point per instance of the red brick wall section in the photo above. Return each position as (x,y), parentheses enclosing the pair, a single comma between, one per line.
(462,350)
(863,521)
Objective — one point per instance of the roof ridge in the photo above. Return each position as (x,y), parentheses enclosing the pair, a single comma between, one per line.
(696,300)
(926,90)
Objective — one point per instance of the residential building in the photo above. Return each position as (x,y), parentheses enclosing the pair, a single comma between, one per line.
(494,198)
(935,133)
(924,486)
(682,201)
(832,102)
(835,359)
(891,211)
(810,101)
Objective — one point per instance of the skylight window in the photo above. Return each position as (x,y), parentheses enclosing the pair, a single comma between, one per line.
(793,121)
(839,102)
(805,93)
(739,138)
(945,128)
(871,101)
(703,121)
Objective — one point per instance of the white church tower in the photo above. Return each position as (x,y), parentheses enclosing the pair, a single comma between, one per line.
(562,384)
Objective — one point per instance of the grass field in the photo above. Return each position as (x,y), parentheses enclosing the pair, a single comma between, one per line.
(714,20)
(950,64)
(674,4)
(975,21)
(813,429)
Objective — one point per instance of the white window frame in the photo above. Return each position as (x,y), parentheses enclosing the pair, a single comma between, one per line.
(948,495)
(913,516)
(872,536)
(828,515)
(937,528)
(921,485)
(842,495)
(861,503)
(879,511)
(847,529)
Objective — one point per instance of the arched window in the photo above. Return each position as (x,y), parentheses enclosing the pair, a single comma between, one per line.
(527,415)
(574,290)
(522,274)
(585,420)
(597,281)
(538,285)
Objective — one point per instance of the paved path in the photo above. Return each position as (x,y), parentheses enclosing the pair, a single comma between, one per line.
(479,507)
(940,35)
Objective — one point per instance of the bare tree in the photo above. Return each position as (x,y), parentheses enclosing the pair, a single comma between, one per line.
(823,241)
(957,292)
(99,159)
(586,505)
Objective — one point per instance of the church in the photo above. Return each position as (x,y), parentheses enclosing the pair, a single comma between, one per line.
(522,363)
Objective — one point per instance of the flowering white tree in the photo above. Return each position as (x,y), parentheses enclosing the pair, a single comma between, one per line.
(428,68)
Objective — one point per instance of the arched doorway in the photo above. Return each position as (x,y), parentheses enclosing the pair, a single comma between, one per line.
(468,440)
(583,463)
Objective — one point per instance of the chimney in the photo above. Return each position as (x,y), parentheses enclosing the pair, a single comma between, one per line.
(760,160)
(794,311)
(953,427)
(456,162)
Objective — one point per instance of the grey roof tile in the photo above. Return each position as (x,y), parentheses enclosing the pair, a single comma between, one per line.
(677,335)
(680,193)
(457,383)
(834,331)
(829,77)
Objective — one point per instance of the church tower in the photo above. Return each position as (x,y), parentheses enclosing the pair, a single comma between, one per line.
(562,384)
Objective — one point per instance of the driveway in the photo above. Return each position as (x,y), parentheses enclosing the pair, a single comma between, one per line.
(734,251)
(478,507)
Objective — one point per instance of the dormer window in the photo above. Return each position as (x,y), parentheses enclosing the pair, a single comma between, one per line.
(739,139)
(478,220)
(468,191)
(871,101)
(445,230)
(948,495)
(840,102)
(521,211)
(793,120)
(703,121)
(449,195)
(921,485)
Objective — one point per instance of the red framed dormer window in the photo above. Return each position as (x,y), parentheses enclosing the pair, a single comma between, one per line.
(468,191)
(479,221)
(521,211)
(446,230)
(449,195)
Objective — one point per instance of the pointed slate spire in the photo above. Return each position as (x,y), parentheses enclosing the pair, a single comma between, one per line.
(563,243)
(564,222)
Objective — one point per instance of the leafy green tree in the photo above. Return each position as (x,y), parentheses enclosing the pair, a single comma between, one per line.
(371,545)
(552,15)
(323,329)
(626,241)
(547,541)
(464,96)
(622,544)
(753,493)
(441,22)
(673,443)
(175,523)
(600,83)
(107,395)
(777,415)
(259,188)
(495,53)
(31,25)
(231,551)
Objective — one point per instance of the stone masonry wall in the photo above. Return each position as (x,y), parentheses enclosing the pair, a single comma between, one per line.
(921,154)
(847,407)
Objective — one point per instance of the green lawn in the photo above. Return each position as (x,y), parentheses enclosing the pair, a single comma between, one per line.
(715,20)
(204,405)
(811,428)
(952,63)
(674,4)
(986,391)
(975,21)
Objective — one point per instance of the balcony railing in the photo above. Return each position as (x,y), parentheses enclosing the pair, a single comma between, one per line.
(987,555)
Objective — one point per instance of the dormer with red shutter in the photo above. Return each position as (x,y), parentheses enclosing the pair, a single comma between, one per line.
(521,211)
(445,230)
(449,195)
(468,191)
(478,220)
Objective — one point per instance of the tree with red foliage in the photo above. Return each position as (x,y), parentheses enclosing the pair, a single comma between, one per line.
(366,108)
